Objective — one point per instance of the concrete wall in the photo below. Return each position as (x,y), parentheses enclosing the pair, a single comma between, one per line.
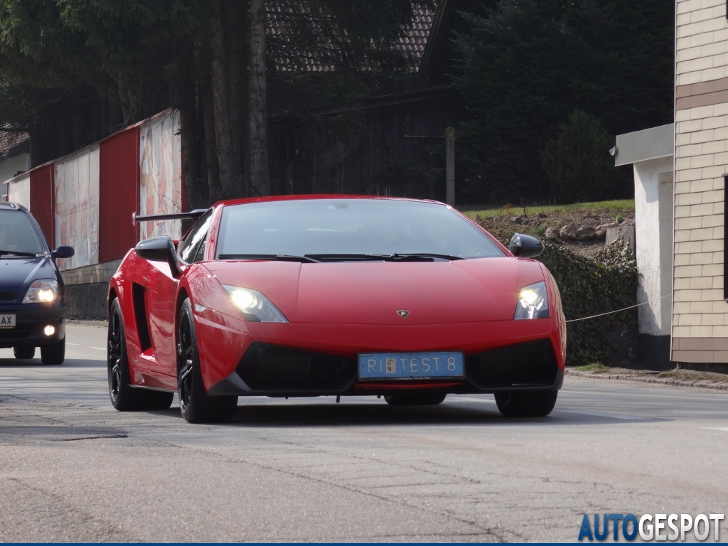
(653,223)
(86,290)
(651,153)
(654,236)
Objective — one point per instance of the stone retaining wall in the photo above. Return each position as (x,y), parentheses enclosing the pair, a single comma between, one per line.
(86,290)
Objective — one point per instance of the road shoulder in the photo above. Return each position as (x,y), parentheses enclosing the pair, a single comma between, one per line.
(676,377)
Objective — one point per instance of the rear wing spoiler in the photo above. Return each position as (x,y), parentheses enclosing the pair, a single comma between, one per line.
(193,214)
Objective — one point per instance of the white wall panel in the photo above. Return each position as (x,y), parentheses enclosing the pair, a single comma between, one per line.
(19,190)
(160,181)
(77,206)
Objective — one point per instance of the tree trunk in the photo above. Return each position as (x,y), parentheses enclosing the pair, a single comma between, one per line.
(257,109)
(208,117)
(234,21)
(183,78)
(230,172)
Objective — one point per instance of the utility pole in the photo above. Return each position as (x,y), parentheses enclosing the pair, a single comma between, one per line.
(450,166)
(449,162)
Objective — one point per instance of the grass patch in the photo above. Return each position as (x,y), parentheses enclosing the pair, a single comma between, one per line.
(615,205)
(686,375)
(593,367)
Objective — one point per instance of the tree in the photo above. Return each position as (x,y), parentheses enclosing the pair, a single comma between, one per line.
(576,163)
(527,63)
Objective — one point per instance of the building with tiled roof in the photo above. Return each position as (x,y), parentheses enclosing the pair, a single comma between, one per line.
(289,51)
(14,154)
(399,146)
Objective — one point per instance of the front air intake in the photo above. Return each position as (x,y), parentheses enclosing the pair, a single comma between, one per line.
(267,367)
(530,364)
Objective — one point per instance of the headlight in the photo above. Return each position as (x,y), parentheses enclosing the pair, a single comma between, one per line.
(533,302)
(43,291)
(254,305)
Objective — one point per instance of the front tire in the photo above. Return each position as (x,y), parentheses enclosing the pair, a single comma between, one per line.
(55,353)
(24,352)
(195,405)
(123,396)
(526,403)
(415,399)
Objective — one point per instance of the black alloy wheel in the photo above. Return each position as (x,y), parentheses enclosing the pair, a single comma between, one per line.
(415,399)
(195,404)
(123,396)
(526,403)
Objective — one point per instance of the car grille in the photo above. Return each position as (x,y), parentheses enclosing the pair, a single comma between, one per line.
(267,367)
(7,296)
(521,365)
(19,332)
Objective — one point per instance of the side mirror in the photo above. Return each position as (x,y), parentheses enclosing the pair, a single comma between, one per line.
(525,246)
(159,249)
(63,252)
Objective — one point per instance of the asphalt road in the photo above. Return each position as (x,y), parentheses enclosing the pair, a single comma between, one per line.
(74,469)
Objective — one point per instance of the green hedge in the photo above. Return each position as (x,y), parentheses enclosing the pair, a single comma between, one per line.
(592,286)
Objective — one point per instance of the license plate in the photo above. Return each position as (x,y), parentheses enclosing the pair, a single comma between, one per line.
(7,322)
(403,366)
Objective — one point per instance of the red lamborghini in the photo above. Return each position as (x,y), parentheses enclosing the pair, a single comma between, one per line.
(333,295)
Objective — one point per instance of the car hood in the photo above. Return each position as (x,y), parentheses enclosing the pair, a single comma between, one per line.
(17,273)
(478,290)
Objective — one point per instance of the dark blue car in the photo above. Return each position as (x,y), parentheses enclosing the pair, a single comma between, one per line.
(32,306)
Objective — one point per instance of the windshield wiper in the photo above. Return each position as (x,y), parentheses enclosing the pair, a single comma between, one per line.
(418,257)
(426,255)
(18,253)
(273,257)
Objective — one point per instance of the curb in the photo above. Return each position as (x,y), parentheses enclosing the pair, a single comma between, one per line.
(702,384)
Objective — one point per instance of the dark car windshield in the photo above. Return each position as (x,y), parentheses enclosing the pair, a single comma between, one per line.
(17,234)
(327,228)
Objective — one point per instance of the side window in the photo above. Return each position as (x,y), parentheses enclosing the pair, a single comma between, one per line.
(200,254)
(191,248)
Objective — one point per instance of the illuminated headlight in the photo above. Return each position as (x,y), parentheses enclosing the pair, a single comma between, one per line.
(43,291)
(254,305)
(533,302)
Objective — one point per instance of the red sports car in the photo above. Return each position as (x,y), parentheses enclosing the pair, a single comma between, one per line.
(333,295)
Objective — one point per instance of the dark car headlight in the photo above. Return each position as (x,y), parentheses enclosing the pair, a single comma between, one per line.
(533,302)
(254,305)
(42,291)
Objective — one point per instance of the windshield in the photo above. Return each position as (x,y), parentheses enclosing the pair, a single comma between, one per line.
(17,234)
(349,227)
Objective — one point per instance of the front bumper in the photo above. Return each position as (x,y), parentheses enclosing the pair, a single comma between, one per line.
(31,320)
(272,370)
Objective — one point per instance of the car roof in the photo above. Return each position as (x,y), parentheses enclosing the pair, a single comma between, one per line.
(313,196)
(6,205)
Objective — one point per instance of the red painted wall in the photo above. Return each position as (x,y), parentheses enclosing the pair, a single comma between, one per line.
(118,193)
(42,199)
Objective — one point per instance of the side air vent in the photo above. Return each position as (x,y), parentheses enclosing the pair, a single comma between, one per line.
(140,314)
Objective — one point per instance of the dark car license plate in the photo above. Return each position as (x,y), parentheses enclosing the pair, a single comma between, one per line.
(7,321)
(400,366)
